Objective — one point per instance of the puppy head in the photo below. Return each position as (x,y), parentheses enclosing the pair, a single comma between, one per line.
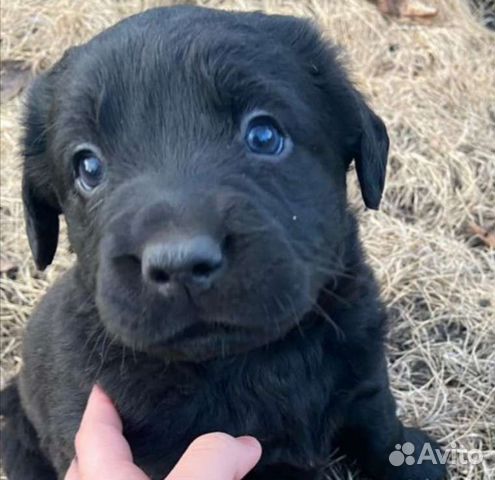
(199,158)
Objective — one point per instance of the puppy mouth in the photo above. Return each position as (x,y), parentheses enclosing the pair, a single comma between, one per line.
(215,324)
(211,340)
(198,331)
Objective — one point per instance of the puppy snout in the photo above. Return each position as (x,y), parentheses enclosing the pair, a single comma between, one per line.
(196,261)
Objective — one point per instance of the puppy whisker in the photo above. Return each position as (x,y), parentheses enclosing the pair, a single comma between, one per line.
(99,334)
(297,318)
(335,296)
(103,353)
(320,312)
(95,205)
(122,360)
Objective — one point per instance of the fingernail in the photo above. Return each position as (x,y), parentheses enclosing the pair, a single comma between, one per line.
(98,390)
(97,393)
(250,442)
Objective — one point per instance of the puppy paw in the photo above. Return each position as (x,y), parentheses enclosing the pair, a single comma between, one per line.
(418,457)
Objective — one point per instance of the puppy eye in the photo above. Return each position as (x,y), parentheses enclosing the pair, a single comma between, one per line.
(89,170)
(264,137)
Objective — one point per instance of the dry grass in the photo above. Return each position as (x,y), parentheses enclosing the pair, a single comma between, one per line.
(435,87)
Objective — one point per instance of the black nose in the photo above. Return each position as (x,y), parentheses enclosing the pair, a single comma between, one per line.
(194,260)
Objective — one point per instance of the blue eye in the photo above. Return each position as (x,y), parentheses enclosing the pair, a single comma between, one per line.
(264,137)
(89,169)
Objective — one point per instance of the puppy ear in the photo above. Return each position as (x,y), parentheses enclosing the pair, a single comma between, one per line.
(42,226)
(41,209)
(370,156)
(41,205)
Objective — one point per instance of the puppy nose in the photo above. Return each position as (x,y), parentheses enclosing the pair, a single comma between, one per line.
(196,260)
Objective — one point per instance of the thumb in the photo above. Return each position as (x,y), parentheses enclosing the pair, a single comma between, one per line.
(217,456)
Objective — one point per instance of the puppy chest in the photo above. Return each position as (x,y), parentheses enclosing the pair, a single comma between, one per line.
(294,416)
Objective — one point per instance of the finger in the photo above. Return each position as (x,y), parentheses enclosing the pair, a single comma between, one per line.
(73,472)
(102,451)
(217,456)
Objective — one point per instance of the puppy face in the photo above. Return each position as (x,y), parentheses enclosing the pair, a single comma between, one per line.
(199,158)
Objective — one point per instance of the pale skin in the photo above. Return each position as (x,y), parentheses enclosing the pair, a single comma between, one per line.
(102,452)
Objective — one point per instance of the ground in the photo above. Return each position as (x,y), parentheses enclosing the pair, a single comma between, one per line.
(434,85)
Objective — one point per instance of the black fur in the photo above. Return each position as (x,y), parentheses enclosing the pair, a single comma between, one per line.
(287,343)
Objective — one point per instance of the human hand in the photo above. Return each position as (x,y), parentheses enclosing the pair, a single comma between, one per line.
(102,452)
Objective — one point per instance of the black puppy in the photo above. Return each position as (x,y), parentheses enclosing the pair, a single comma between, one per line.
(200,159)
